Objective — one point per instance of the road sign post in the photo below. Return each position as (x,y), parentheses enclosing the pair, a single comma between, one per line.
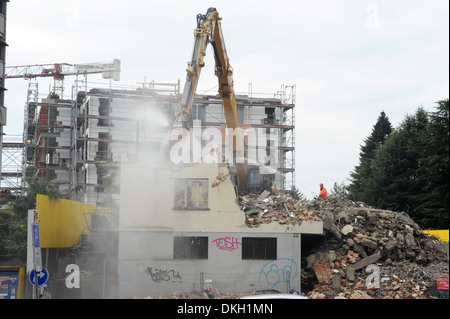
(38,273)
(37,257)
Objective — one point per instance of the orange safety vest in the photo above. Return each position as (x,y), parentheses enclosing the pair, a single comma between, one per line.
(323,192)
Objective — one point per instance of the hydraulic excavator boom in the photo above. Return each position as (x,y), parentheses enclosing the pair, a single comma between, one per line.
(209,31)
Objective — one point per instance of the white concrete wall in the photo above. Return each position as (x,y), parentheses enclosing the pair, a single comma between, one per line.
(147,267)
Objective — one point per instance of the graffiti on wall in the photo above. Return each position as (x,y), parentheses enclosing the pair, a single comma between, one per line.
(278,274)
(159,275)
(227,243)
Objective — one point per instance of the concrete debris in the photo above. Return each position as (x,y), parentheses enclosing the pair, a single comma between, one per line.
(267,208)
(323,272)
(222,175)
(360,240)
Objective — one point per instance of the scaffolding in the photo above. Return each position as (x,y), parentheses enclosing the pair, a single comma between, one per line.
(273,115)
(287,95)
(77,143)
(11,174)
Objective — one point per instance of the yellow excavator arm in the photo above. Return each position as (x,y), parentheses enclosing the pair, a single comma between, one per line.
(209,31)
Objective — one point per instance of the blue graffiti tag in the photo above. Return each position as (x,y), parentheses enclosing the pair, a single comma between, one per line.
(276,272)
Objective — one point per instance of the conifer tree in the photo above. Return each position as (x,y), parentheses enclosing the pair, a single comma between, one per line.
(360,178)
(408,171)
(395,181)
(433,201)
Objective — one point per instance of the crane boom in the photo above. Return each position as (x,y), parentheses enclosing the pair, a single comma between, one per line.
(108,70)
(209,30)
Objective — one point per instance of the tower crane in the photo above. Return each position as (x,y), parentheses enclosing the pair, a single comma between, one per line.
(59,70)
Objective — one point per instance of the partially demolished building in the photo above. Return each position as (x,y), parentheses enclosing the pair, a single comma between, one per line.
(98,146)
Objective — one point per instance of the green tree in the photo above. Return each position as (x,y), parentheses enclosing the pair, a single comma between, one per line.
(28,198)
(395,179)
(361,178)
(13,234)
(13,237)
(433,202)
(409,171)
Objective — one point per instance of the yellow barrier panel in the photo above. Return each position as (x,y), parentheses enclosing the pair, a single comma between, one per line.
(62,221)
(442,234)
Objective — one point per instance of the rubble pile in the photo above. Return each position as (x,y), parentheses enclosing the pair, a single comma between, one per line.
(358,237)
(267,208)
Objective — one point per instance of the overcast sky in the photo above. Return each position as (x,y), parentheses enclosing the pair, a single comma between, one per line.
(349,60)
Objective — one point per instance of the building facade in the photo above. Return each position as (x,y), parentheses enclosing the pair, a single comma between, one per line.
(165,246)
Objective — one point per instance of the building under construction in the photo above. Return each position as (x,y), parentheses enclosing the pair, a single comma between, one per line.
(79,143)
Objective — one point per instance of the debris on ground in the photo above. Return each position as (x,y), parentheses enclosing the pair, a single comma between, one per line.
(222,175)
(362,244)
(357,236)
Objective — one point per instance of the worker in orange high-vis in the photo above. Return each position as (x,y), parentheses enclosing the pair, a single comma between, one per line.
(323,191)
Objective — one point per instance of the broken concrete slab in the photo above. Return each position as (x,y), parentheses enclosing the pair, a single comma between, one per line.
(350,274)
(410,241)
(347,229)
(366,261)
(335,231)
(327,222)
(368,243)
(336,282)
(263,196)
(405,219)
(390,246)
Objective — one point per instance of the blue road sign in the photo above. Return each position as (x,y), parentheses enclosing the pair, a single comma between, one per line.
(42,277)
(36,238)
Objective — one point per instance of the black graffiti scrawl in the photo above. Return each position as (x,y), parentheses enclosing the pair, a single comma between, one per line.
(158,275)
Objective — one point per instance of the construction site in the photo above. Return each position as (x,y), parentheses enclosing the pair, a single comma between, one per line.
(167,193)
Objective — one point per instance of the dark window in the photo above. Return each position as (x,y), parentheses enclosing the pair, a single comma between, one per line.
(259,248)
(190,248)
(103,111)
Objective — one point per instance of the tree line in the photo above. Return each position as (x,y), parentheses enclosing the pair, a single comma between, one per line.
(406,169)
